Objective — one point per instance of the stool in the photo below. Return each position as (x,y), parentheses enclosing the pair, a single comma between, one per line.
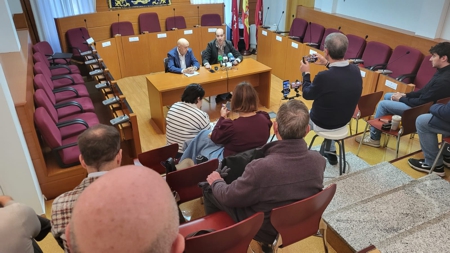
(338,136)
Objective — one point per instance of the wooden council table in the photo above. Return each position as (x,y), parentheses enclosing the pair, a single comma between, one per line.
(167,88)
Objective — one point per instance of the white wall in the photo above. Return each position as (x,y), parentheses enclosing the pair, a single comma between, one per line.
(17,175)
(274,14)
(15,7)
(10,41)
(421,17)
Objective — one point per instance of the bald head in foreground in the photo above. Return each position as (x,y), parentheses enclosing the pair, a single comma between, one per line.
(130,209)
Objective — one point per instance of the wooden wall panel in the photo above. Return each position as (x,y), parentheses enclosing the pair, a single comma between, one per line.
(376,32)
(98,24)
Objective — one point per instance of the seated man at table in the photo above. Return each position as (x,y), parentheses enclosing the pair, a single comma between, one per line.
(335,91)
(100,152)
(216,47)
(428,126)
(288,172)
(129,209)
(181,59)
(396,103)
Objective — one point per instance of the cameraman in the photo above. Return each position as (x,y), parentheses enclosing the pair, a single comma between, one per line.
(335,91)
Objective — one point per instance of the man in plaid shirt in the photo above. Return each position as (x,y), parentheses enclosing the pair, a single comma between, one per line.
(100,152)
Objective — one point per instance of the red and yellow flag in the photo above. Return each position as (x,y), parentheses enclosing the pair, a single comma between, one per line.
(244,18)
(235,23)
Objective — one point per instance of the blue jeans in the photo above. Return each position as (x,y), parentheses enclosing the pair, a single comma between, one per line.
(387,107)
(428,139)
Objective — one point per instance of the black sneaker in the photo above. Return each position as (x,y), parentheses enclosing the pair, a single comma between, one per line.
(331,157)
(420,165)
(266,248)
(169,164)
(447,161)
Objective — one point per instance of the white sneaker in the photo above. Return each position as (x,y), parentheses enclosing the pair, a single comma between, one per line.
(368,141)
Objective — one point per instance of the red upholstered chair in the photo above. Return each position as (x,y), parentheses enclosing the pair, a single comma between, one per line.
(313,35)
(60,80)
(76,38)
(228,237)
(153,158)
(366,107)
(404,63)
(299,220)
(185,181)
(177,22)
(65,149)
(56,70)
(375,53)
(355,48)
(424,74)
(73,124)
(63,94)
(124,28)
(45,48)
(298,29)
(325,34)
(212,19)
(149,23)
(66,108)
(408,124)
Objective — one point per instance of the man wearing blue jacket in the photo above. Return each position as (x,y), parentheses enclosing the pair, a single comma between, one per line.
(181,59)
(428,127)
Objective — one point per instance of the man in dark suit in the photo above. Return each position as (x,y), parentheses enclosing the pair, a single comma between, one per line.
(219,46)
(181,59)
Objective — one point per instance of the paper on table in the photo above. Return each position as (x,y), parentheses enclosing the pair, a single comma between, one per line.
(193,74)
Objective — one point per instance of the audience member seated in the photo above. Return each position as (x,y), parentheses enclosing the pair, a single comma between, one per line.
(20,227)
(250,130)
(288,172)
(428,127)
(396,103)
(335,91)
(130,209)
(100,152)
(216,47)
(182,59)
(185,119)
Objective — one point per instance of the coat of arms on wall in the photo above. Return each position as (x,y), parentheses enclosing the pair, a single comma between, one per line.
(136,3)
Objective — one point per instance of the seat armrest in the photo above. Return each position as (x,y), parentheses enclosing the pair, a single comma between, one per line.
(69,103)
(67,88)
(72,122)
(401,77)
(63,77)
(377,66)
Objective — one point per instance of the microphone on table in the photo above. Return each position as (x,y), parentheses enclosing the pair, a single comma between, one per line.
(220,59)
(118,25)
(231,57)
(174,21)
(265,18)
(282,13)
(198,16)
(387,71)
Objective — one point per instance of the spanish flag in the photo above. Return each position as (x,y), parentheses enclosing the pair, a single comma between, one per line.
(244,18)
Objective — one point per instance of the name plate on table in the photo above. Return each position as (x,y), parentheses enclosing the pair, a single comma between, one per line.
(161,35)
(212,30)
(391,84)
(264,33)
(294,45)
(279,38)
(363,73)
(133,39)
(106,44)
(312,51)
(188,32)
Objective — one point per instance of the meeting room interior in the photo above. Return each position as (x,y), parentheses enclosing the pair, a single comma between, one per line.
(109,60)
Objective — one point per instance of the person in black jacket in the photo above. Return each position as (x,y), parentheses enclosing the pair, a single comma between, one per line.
(216,47)
(219,46)
(428,126)
(396,103)
(335,91)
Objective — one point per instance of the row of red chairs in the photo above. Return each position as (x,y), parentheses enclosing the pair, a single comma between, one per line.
(404,63)
(149,23)
(294,222)
(63,107)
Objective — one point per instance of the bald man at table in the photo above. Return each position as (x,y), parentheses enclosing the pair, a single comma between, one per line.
(181,59)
